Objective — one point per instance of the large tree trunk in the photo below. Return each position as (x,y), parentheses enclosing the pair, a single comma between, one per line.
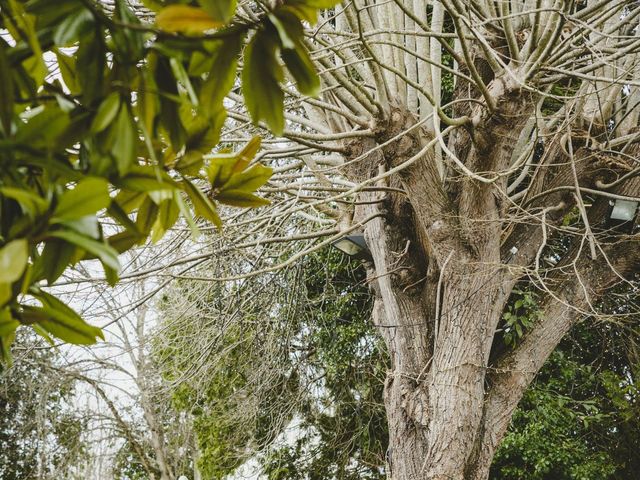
(441,285)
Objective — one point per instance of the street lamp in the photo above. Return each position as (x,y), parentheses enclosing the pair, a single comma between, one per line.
(622,213)
(353,245)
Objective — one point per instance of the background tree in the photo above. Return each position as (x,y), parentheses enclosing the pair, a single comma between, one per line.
(41,433)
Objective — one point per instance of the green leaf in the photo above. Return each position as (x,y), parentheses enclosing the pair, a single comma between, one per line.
(61,321)
(107,255)
(307,10)
(145,179)
(222,74)
(87,226)
(294,53)
(220,169)
(167,216)
(190,163)
(241,198)
(5,293)
(247,154)
(106,112)
(90,65)
(186,214)
(261,77)
(125,240)
(33,204)
(201,204)
(128,201)
(186,19)
(147,215)
(89,196)
(72,27)
(13,260)
(220,10)
(8,326)
(125,141)
(56,256)
(44,128)
(249,180)
(67,66)
(6,91)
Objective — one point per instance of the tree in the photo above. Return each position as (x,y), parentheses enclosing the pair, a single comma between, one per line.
(471,198)
(244,376)
(105,113)
(41,435)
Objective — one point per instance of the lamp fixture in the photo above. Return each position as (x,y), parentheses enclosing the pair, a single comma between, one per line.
(353,245)
(622,214)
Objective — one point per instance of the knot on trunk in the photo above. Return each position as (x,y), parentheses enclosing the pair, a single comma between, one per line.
(415,402)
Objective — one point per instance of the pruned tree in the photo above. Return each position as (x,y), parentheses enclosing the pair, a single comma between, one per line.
(479,146)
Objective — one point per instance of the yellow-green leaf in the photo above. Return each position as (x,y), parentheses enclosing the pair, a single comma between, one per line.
(106,112)
(247,154)
(220,10)
(261,77)
(13,260)
(186,19)
(249,180)
(240,198)
(89,196)
(201,204)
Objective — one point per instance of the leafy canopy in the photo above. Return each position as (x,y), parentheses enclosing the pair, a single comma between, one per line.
(103,115)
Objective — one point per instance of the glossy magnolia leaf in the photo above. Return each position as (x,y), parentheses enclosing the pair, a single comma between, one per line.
(201,204)
(67,66)
(31,203)
(128,201)
(147,214)
(8,326)
(220,169)
(72,27)
(186,19)
(249,180)
(13,260)
(190,163)
(125,240)
(5,293)
(241,198)
(261,77)
(116,212)
(247,154)
(307,10)
(125,141)
(89,196)
(61,321)
(104,252)
(145,179)
(294,53)
(56,256)
(223,55)
(87,226)
(147,103)
(43,128)
(106,113)
(6,90)
(167,216)
(186,214)
(220,10)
